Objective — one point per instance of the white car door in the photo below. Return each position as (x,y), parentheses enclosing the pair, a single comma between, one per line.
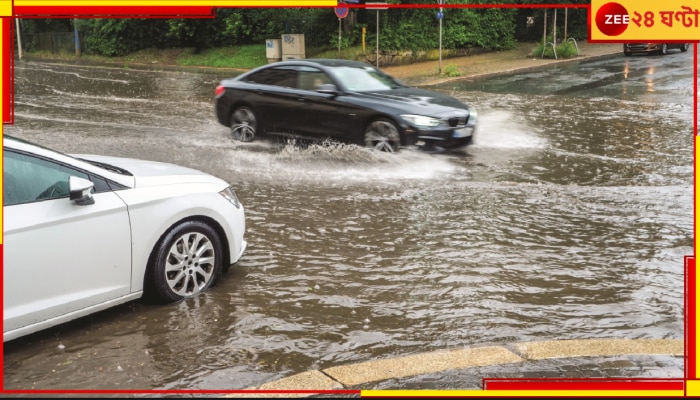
(61,259)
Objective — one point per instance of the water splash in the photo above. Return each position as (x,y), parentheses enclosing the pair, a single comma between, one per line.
(503,129)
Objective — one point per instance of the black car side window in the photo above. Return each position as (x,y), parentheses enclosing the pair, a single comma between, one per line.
(27,179)
(275,76)
(312,78)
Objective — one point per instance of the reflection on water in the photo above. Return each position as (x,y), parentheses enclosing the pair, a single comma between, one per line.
(568,218)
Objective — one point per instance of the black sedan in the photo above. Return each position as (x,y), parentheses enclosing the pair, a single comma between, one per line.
(341,100)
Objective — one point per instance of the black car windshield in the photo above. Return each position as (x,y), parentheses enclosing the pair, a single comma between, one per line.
(364,79)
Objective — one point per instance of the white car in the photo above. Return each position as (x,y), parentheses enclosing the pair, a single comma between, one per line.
(83,233)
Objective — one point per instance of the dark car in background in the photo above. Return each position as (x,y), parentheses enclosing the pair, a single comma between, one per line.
(341,100)
(653,48)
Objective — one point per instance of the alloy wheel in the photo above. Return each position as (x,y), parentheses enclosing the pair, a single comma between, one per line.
(243,124)
(190,264)
(382,135)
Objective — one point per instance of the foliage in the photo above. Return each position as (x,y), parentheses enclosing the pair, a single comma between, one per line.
(400,29)
(244,57)
(566,49)
(451,71)
(119,36)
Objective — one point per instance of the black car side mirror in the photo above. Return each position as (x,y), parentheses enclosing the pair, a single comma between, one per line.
(328,88)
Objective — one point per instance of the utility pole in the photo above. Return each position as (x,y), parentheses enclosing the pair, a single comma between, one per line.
(377,38)
(377,6)
(440,16)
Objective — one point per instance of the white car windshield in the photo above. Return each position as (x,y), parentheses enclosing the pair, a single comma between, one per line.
(363,79)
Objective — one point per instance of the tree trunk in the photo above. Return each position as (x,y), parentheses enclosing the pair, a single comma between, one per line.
(350,21)
(544,35)
(554,28)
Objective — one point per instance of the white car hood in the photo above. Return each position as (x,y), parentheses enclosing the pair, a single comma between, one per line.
(154,173)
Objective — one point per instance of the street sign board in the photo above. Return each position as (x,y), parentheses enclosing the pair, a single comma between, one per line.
(440,15)
(341,11)
(376,6)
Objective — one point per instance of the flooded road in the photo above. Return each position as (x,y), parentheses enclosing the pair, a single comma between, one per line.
(567,219)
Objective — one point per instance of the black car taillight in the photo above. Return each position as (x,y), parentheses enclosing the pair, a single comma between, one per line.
(219,90)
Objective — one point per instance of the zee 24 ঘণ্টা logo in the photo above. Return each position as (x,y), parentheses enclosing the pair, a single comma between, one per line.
(648,20)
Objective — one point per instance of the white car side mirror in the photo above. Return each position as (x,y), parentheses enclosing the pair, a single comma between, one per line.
(81,191)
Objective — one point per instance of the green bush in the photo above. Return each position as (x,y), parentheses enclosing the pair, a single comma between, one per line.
(565,49)
(451,71)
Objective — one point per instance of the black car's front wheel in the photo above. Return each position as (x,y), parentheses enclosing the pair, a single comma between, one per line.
(382,135)
(244,124)
(664,49)
(684,47)
(187,261)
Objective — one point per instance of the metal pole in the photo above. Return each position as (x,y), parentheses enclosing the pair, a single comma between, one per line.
(77,37)
(377,38)
(440,62)
(19,39)
(340,21)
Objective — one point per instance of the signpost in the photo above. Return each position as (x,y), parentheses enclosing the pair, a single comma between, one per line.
(440,15)
(341,11)
(377,6)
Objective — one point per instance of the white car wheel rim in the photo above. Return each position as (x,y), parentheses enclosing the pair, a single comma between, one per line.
(190,264)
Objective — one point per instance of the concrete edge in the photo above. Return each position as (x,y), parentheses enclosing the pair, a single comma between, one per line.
(344,376)
(545,65)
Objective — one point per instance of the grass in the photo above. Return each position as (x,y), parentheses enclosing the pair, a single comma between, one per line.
(244,57)
(235,57)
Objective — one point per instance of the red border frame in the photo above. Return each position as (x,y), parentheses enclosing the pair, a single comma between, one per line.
(488,384)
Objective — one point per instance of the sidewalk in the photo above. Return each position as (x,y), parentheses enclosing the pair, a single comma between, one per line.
(621,360)
(416,74)
(500,62)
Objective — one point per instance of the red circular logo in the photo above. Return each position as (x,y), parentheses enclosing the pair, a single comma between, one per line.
(612,19)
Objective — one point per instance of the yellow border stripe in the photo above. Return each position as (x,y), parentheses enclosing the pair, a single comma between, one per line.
(175,3)
(697,243)
(512,393)
(4,55)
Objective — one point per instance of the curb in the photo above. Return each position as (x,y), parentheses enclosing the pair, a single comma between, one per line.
(349,377)
(543,66)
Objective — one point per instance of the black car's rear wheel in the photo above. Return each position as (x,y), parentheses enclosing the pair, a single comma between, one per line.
(244,124)
(664,49)
(382,135)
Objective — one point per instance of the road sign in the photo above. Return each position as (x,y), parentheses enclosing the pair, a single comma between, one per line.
(376,6)
(440,15)
(341,11)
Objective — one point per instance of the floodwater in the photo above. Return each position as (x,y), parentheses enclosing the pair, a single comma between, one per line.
(569,218)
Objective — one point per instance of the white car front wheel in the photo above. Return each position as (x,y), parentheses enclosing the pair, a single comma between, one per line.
(188,261)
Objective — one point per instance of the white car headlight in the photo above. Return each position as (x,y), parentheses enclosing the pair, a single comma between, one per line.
(230,195)
(421,120)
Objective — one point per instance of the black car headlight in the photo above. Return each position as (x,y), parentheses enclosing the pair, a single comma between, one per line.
(421,121)
(472,116)
(230,195)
